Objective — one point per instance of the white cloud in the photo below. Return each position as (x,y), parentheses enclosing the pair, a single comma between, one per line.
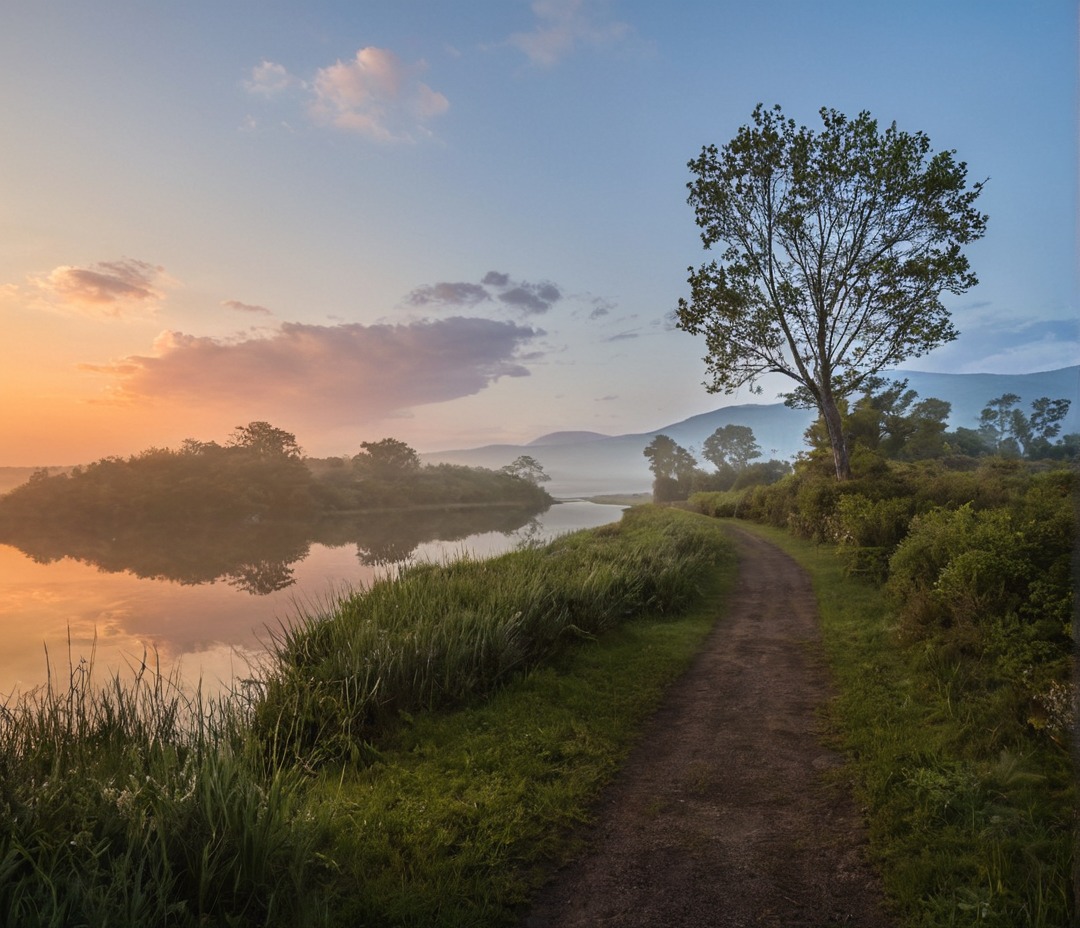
(268,79)
(1004,343)
(563,25)
(325,375)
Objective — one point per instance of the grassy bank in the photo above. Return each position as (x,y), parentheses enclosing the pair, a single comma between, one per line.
(412,757)
(971,812)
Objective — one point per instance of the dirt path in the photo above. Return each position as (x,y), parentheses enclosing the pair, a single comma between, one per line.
(722,816)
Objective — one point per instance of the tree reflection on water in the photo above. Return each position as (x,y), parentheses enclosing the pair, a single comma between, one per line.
(258,557)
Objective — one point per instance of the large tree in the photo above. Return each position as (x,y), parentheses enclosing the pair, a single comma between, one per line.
(837,247)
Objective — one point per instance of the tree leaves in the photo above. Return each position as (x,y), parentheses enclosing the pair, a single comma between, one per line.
(837,246)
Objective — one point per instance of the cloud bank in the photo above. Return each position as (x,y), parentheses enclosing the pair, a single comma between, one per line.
(326,375)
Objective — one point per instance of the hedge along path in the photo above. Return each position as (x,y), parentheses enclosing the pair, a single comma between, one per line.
(724,814)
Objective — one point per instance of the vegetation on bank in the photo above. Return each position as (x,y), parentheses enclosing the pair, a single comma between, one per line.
(259,475)
(947,599)
(887,422)
(129,805)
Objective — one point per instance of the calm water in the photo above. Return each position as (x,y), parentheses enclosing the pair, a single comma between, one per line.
(207,604)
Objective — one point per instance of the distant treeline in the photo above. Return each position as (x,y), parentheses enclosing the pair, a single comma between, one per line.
(887,423)
(259,475)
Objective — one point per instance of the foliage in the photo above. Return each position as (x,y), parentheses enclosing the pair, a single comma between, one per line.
(889,421)
(731,446)
(132,804)
(672,467)
(262,439)
(526,467)
(970,810)
(443,635)
(837,248)
(259,477)
(1008,430)
(388,459)
(207,483)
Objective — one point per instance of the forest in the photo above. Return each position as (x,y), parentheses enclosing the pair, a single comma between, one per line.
(259,475)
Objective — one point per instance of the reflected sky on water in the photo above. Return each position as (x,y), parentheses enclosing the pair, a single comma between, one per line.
(215,627)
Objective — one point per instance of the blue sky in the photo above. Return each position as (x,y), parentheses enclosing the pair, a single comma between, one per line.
(459,224)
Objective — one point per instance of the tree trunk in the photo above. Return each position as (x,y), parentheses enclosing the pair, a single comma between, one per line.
(833,422)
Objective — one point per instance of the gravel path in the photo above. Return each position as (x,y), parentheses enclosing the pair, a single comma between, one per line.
(723,816)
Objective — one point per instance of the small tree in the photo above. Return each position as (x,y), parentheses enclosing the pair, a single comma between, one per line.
(837,248)
(672,468)
(388,459)
(1008,430)
(886,418)
(263,439)
(731,446)
(526,467)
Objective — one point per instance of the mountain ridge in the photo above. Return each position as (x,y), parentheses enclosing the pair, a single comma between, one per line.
(615,463)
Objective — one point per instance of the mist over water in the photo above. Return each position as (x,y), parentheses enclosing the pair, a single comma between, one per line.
(204,602)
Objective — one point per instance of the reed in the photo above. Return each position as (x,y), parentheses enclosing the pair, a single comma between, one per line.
(130,802)
(134,803)
(438,636)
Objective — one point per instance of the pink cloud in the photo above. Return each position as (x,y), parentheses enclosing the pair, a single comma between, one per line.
(325,375)
(246,307)
(107,288)
(377,95)
(562,25)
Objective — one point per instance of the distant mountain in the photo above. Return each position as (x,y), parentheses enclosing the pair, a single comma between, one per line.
(565,438)
(584,463)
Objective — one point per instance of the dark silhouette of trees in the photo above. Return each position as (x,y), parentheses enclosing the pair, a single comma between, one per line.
(526,467)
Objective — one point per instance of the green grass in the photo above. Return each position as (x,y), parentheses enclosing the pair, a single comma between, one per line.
(969,828)
(418,755)
(132,804)
(464,813)
(440,636)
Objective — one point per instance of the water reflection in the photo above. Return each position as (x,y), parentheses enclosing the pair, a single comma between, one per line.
(204,601)
(258,558)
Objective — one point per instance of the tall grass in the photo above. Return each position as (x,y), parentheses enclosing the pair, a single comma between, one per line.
(130,803)
(437,636)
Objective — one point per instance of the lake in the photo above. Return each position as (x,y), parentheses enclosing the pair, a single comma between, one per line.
(205,603)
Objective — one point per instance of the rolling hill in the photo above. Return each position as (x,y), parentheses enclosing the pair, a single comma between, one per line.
(584,463)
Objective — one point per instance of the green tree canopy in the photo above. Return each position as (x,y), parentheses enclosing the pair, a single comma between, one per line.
(731,446)
(1008,430)
(888,419)
(672,466)
(387,459)
(837,246)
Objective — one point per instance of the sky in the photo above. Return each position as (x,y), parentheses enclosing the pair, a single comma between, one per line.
(460,224)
